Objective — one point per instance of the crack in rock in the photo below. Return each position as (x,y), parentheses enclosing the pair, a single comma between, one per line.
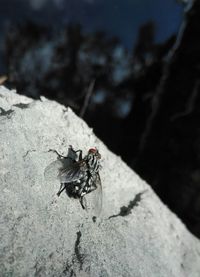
(27,152)
(78,258)
(69,270)
(22,105)
(126,210)
(5,113)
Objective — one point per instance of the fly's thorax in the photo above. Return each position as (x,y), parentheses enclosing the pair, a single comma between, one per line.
(93,162)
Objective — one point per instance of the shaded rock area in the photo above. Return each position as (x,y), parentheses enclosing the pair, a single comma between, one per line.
(43,235)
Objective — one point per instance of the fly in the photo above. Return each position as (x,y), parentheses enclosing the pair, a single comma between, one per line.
(78,175)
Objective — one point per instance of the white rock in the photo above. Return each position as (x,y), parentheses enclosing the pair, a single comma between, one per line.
(43,235)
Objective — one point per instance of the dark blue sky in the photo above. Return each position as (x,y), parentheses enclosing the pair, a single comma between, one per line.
(115,17)
(123,18)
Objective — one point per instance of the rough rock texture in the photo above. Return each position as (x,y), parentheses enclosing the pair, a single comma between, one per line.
(43,235)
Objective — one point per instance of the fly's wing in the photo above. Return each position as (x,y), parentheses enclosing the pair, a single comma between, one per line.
(52,171)
(71,173)
(93,200)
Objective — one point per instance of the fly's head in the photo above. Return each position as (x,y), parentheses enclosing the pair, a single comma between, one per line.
(93,160)
(93,152)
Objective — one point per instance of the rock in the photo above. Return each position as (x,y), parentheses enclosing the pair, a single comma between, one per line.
(43,235)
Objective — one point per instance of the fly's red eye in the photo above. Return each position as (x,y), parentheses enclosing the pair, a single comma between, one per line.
(95,152)
(92,150)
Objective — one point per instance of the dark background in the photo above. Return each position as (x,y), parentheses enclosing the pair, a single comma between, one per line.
(130,69)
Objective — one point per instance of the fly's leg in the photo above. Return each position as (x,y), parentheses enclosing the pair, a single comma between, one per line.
(80,154)
(80,157)
(83,202)
(92,188)
(59,155)
(62,187)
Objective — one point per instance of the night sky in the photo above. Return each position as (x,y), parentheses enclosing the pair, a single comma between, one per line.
(115,17)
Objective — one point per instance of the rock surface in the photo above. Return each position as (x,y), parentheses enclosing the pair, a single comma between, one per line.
(43,235)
